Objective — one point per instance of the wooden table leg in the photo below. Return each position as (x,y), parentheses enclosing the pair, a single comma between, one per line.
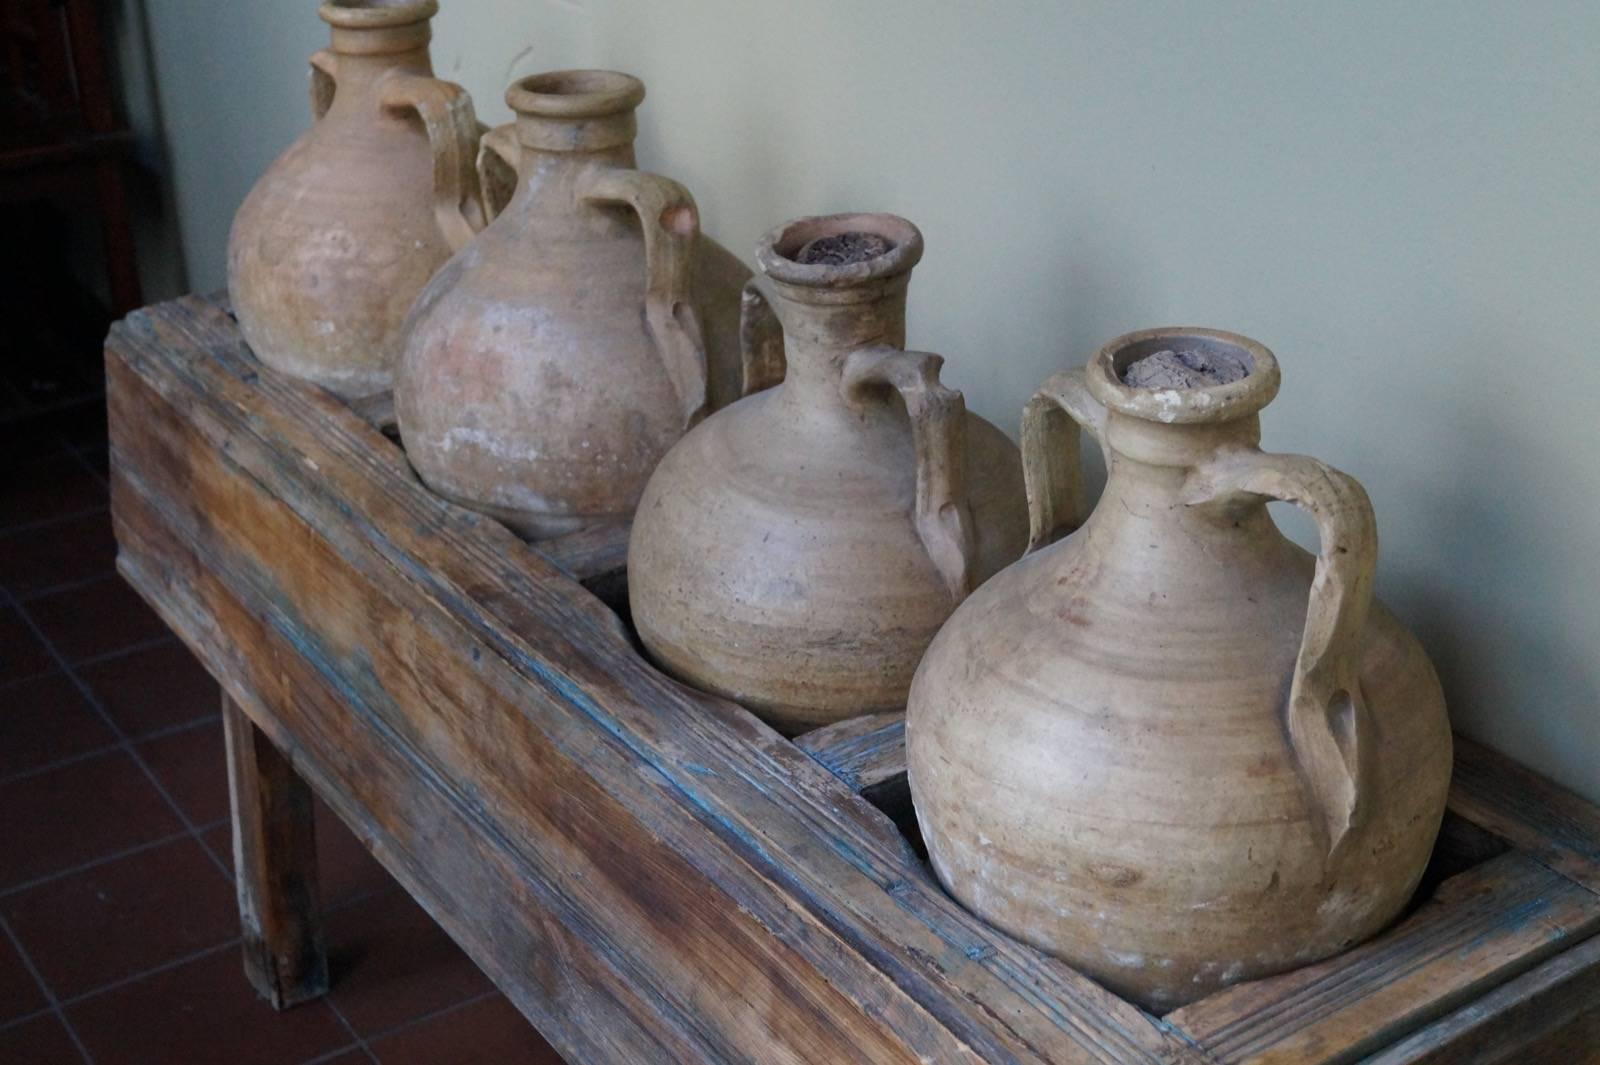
(275,864)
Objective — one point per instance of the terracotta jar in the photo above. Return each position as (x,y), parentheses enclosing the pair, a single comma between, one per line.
(1175,749)
(797,551)
(549,366)
(341,233)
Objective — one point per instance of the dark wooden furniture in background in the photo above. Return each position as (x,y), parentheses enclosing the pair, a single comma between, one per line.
(650,873)
(59,128)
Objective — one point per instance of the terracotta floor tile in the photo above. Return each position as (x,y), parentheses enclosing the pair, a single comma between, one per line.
(193,766)
(45,720)
(19,992)
(95,619)
(152,689)
(352,1057)
(47,487)
(348,869)
(488,1032)
(21,653)
(64,817)
(390,963)
(203,1012)
(41,1041)
(64,551)
(125,917)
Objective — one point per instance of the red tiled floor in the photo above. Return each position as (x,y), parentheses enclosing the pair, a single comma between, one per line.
(95,931)
(348,870)
(21,653)
(202,1012)
(154,688)
(124,917)
(69,550)
(391,963)
(47,487)
(45,720)
(353,1057)
(41,1041)
(59,818)
(192,765)
(487,1032)
(95,619)
(19,992)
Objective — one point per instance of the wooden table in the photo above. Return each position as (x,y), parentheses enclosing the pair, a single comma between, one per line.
(649,873)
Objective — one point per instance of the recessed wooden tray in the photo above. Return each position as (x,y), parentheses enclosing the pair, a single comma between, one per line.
(649,872)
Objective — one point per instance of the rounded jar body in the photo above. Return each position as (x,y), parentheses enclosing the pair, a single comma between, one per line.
(781,554)
(1114,746)
(338,237)
(550,364)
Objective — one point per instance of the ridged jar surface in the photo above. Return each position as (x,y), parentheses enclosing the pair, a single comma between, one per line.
(1098,756)
(774,557)
(333,244)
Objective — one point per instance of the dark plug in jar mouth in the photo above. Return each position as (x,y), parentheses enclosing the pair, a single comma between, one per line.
(828,251)
(1210,348)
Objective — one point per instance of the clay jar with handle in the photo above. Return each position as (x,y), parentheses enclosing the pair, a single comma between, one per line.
(797,551)
(1175,749)
(549,366)
(341,233)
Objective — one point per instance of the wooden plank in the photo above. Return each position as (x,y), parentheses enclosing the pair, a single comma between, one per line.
(864,752)
(590,553)
(1551,1014)
(275,867)
(1534,814)
(722,897)
(377,410)
(1481,929)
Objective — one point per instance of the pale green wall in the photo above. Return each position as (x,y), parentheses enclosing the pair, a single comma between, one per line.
(1398,198)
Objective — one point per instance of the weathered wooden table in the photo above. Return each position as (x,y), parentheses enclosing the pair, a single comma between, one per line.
(649,873)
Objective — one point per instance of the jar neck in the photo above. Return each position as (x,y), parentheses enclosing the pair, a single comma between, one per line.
(1150,461)
(360,68)
(822,327)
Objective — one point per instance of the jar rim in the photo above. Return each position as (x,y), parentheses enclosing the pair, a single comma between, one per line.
(575,93)
(1208,403)
(376,14)
(775,251)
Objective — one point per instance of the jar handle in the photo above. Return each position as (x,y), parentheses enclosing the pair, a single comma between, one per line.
(499,157)
(938,431)
(1329,730)
(761,356)
(1051,462)
(446,113)
(324,81)
(671,226)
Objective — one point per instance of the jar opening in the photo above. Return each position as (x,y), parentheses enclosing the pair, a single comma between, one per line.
(1184,375)
(1186,363)
(840,249)
(575,94)
(376,14)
